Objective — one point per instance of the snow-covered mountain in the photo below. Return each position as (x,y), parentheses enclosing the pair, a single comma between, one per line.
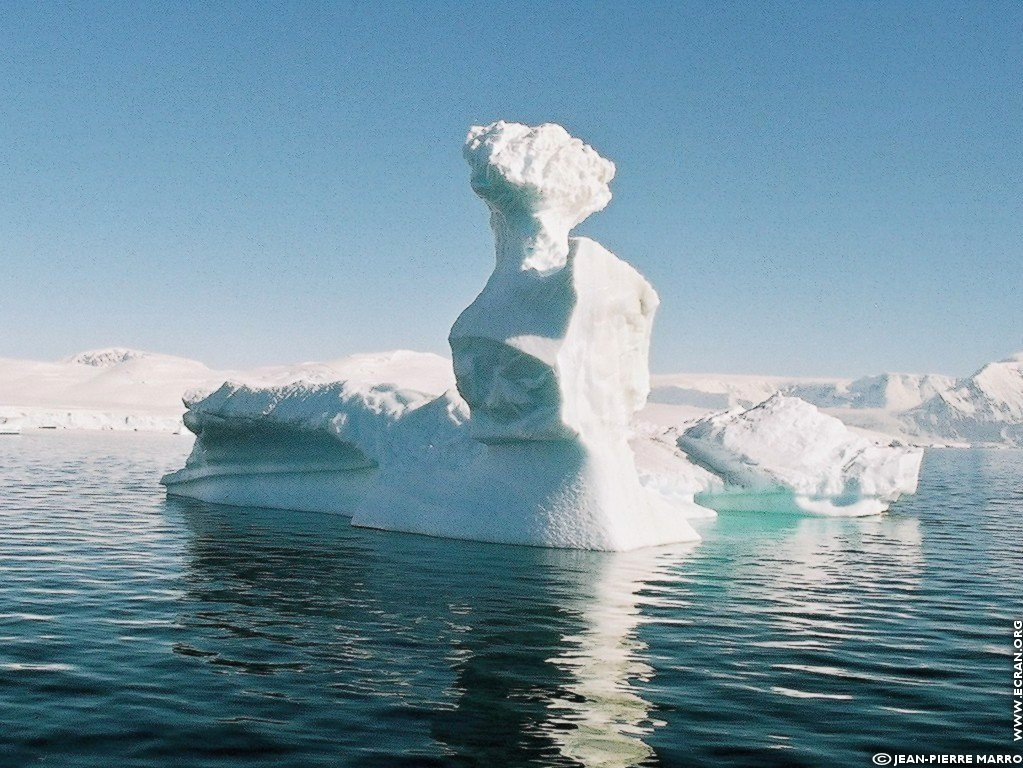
(986,407)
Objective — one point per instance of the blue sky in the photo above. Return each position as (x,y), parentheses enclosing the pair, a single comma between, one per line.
(830,188)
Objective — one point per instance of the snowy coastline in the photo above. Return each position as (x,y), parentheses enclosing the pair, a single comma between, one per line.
(143,391)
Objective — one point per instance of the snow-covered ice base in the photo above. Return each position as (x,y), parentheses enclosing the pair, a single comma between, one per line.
(440,481)
(784,455)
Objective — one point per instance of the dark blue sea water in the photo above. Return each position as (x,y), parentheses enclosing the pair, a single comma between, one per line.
(141,631)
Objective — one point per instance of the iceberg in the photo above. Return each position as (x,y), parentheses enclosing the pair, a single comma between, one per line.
(551,365)
(534,433)
(530,445)
(784,455)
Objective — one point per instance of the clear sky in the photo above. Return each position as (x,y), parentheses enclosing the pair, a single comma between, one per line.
(830,188)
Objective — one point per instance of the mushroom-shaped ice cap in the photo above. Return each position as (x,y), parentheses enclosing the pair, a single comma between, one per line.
(540,181)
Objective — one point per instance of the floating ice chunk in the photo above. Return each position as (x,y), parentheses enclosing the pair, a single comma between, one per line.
(785,455)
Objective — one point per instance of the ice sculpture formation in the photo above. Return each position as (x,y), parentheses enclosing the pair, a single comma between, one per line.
(556,344)
(534,445)
(551,360)
(539,183)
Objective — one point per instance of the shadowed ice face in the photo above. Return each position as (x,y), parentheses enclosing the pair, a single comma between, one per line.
(512,395)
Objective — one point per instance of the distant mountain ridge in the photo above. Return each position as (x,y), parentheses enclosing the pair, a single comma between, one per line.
(104,358)
(986,407)
(121,388)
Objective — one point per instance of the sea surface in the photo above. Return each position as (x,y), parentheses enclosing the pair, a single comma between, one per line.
(137,630)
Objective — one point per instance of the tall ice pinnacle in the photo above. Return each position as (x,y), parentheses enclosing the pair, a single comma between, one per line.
(553,352)
(551,361)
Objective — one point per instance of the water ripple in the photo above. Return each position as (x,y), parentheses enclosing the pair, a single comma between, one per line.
(136,630)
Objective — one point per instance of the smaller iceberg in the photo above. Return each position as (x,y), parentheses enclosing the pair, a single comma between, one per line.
(784,455)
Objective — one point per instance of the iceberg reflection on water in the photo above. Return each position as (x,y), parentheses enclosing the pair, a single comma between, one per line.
(540,645)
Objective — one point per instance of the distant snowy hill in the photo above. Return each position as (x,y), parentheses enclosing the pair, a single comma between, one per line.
(101,389)
(125,389)
(872,404)
(887,391)
(985,408)
(105,358)
(710,391)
